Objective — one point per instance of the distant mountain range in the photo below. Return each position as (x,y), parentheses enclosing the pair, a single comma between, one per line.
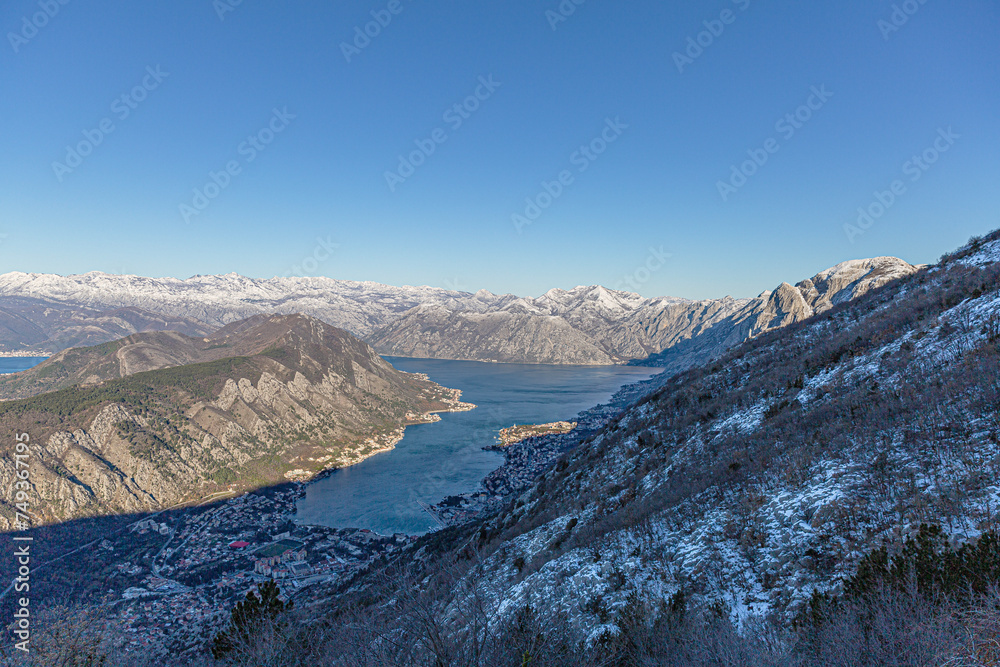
(595,325)
(585,325)
(46,326)
(154,419)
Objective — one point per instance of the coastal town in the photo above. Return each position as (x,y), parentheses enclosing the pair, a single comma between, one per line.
(176,577)
(517,433)
(350,454)
(169,581)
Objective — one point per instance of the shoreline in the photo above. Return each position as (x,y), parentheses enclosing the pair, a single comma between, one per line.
(538,447)
(383,442)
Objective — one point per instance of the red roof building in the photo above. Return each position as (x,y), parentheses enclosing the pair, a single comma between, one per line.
(239,545)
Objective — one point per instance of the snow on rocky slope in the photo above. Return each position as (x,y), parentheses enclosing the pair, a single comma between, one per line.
(768,474)
(358,307)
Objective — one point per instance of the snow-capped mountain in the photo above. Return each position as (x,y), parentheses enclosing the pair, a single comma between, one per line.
(595,325)
(359,307)
(584,325)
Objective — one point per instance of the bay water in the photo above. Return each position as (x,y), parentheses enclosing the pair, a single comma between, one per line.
(17,364)
(445,458)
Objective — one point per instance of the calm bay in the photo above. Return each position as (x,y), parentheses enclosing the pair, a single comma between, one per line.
(433,461)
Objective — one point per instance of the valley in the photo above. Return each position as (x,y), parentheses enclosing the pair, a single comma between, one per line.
(674,341)
(763,478)
(144,572)
(451,458)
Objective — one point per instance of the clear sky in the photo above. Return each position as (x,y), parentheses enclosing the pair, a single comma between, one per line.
(191,88)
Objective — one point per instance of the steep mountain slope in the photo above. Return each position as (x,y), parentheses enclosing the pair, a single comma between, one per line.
(166,418)
(763,476)
(146,352)
(117,359)
(772,310)
(594,325)
(513,336)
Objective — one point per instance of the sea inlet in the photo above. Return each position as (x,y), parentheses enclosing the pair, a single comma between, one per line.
(432,461)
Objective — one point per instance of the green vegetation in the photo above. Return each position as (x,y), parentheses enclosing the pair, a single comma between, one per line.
(251,618)
(926,565)
(224,477)
(48,371)
(200,381)
(279,354)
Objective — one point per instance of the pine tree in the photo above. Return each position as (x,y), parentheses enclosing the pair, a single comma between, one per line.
(248,617)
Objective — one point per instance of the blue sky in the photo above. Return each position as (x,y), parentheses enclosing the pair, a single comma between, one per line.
(673,128)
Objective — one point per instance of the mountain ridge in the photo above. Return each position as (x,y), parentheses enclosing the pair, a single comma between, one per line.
(584,325)
(613,327)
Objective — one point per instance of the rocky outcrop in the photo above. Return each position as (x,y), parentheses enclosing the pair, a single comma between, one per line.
(517,337)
